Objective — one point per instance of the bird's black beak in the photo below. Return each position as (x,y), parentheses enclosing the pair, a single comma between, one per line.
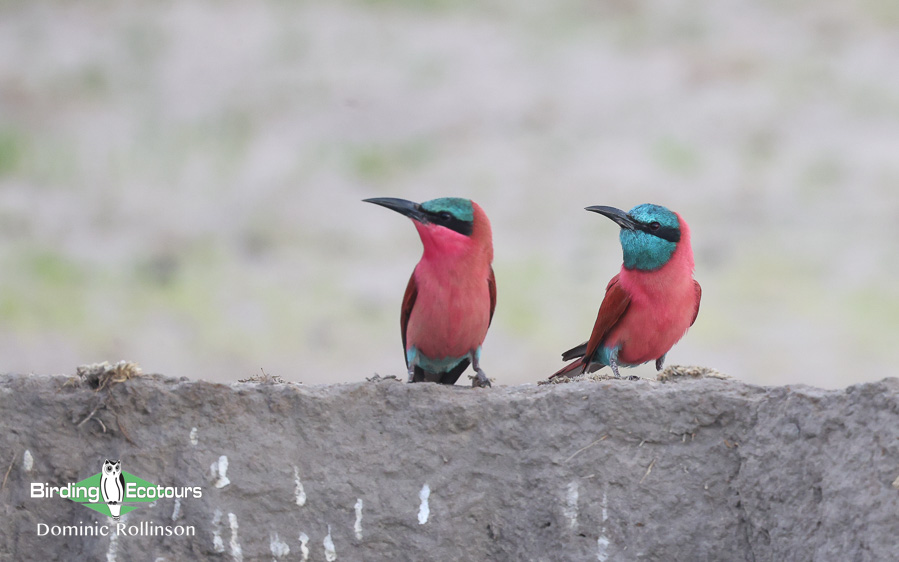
(401,206)
(617,215)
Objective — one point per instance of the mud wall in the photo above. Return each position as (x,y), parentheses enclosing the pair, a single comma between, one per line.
(698,469)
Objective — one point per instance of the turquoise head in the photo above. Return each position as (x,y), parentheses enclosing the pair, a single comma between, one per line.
(649,234)
(454,213)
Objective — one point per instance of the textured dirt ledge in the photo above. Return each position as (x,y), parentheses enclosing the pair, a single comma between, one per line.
(699,469)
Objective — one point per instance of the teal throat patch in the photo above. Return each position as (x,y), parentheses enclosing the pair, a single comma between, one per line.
(415,358)
(644,251)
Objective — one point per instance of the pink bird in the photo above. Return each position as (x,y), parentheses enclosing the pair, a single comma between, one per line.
(651,303)
(451,296)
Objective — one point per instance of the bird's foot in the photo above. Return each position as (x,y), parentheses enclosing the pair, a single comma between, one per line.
(660,362)
(614,367)
(411,375)
(613,362)
(479,380)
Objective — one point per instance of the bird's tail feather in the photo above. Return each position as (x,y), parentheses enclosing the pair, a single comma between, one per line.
(577,368)
(454,374)
(569,370)
(575,352)
(449,377)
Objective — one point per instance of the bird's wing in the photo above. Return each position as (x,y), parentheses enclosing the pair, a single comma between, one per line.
(406,311)
(580,350)
(491,286)
(698,298)
(610,311)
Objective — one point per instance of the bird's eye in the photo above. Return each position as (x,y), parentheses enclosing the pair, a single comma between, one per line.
(444,215)
(654,226)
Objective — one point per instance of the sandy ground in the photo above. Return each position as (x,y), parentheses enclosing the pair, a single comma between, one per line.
(180,183)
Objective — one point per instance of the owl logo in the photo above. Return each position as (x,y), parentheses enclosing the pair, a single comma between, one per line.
(112,485)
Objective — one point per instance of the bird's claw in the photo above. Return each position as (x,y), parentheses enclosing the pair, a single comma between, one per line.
(479,380)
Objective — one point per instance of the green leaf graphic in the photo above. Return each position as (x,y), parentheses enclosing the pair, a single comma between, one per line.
(81,491)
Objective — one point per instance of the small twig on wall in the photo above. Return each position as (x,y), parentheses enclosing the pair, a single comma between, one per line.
(90,415)
(582,449)
(5,476)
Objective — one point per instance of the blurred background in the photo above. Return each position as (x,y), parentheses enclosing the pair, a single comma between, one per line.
(181,182)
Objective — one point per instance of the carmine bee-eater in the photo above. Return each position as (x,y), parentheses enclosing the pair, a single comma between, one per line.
(651,303)
(451,295)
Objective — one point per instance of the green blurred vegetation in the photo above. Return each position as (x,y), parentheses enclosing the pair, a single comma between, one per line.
(12,150)
(42,289)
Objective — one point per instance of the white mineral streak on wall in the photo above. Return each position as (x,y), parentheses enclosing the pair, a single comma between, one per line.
(330,551)
(304,549)
(300,491)
(236,551)
(219,470)
(424,511)
(602,543)
(571,510)
(278,547)
(357,527)
(217,543)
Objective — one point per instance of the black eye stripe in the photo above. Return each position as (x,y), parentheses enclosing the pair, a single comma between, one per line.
(449,221)
(671,234)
